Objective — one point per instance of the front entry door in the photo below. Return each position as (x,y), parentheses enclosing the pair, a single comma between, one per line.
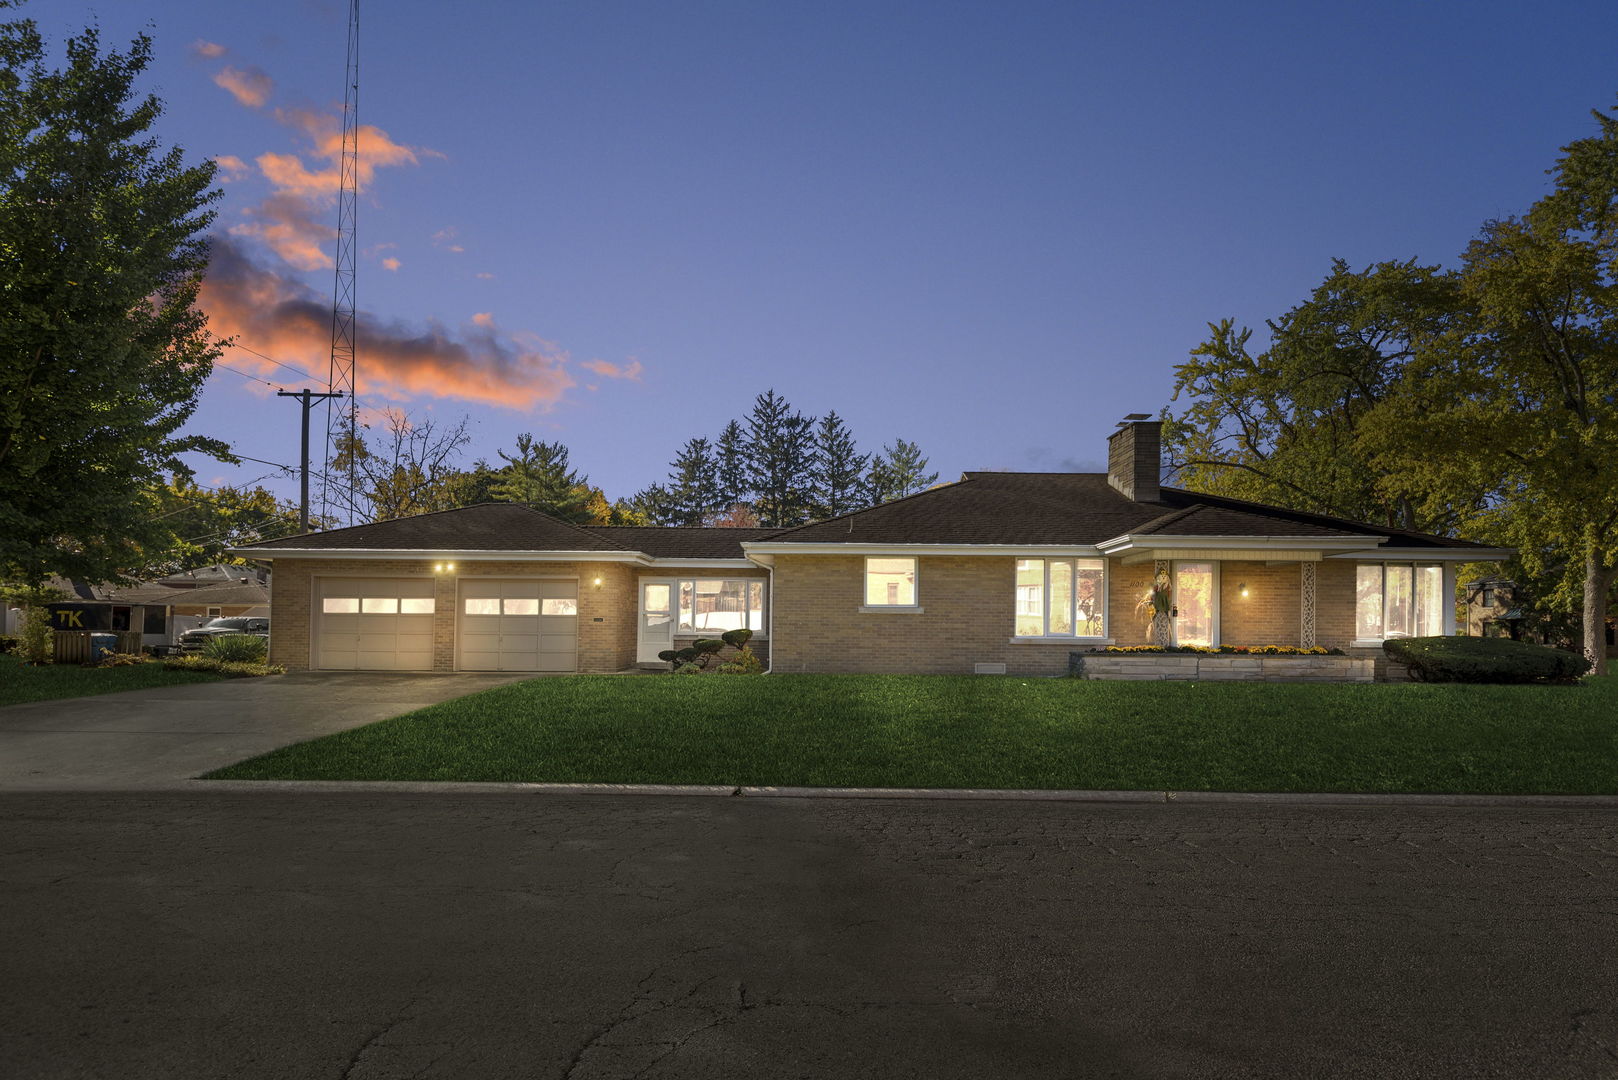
(1196,592)
(656,623)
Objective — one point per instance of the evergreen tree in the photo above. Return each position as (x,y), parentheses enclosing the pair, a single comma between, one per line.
(838,473)
(731,461)
(102,352)
(694,485)
(780,450)
(652,505)
(898,471)
(538,476)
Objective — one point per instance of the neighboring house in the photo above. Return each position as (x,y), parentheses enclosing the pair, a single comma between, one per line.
(999,569)
(195,596)
(162,609)
(1493,610)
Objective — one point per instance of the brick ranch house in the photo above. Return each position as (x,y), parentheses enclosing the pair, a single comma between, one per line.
(999,571)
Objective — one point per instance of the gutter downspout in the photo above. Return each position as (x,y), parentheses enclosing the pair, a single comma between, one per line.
(771,568)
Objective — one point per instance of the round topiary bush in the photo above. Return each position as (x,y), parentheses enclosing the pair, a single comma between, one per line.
(737,639)
(1484,660)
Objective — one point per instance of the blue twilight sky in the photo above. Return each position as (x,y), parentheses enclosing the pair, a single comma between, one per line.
(993,228)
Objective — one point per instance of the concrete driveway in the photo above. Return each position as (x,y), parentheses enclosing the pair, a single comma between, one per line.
(146,738)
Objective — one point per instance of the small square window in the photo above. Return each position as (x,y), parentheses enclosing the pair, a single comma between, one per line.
(521,605)
(890,582)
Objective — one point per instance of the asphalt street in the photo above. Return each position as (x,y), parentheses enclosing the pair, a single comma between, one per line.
(391,935)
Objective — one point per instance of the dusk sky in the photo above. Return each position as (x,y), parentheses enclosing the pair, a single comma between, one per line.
(992,228)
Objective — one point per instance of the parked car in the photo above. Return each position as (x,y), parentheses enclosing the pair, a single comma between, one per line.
(192,641)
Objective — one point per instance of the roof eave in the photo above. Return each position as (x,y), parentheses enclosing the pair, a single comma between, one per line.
(1430,554)
(1118,545)
(775,547)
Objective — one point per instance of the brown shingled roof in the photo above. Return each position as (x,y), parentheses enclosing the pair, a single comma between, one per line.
(1074,508)
(684,542)
(482,527)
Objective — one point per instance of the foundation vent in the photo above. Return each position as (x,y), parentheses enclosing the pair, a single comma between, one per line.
(988,669)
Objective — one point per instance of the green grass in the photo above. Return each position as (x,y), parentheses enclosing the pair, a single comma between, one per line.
(989,732)
(20,682)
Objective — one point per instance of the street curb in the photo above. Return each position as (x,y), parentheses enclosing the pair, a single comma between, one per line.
(726,791)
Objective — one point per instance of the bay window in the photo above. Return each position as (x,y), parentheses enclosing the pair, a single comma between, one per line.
(1061,598)
(1397,600)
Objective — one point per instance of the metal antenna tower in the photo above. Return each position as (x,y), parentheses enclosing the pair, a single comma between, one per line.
(342,413)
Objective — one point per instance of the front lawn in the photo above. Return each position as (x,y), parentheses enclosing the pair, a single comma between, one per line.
(20,682)
(989,732)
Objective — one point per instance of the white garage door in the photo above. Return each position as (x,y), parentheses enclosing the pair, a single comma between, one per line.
(519,625)
(375,624)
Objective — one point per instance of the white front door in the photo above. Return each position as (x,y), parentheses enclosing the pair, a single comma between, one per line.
(656,622)
(1196,598)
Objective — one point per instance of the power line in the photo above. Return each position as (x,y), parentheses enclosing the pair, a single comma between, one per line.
(250,375)
(273,360)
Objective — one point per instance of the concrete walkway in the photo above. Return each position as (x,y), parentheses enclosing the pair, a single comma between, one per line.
(152,738)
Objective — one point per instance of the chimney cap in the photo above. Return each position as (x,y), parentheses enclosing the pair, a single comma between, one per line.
(1132,417)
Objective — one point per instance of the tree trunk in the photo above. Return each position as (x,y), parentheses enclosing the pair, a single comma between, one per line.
(1598,576)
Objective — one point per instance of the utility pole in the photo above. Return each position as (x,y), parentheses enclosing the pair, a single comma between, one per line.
(307,398)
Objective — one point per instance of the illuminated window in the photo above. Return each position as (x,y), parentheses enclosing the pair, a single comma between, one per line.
(1396,600)
(482,605)
(340,605)
(559,606)
(1061,598)
(521,605)
(890,582)
(714,605)
(416,605)
(380,605)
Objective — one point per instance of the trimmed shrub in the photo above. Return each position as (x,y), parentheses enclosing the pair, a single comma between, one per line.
(671,657)
(236,648)
(121,659)
(1484,660)
(233,669)
(8,643)
(737,639)
(688,668)
(743,663)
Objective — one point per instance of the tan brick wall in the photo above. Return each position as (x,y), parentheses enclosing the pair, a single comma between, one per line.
(1272,611)
(606,614)
(968,605)
(1334,603)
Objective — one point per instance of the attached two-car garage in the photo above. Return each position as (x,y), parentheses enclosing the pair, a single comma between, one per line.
(386,624)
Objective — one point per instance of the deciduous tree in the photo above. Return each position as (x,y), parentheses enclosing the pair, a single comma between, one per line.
(102,355)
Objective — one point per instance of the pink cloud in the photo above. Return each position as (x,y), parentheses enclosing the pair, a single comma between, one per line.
(286,225)
(249,85)
(209,50)
(231,167)
(483,318)
(483,275)
(390,263)
(285,318)
(609,370)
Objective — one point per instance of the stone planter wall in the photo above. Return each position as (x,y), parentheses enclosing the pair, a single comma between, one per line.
(1190,666)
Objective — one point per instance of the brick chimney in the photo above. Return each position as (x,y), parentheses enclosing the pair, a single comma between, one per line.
(1135,457)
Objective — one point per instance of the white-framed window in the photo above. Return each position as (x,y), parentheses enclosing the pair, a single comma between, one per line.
(890,582)
(712,606)
(1396,600)
(340,605)
(1061,598)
